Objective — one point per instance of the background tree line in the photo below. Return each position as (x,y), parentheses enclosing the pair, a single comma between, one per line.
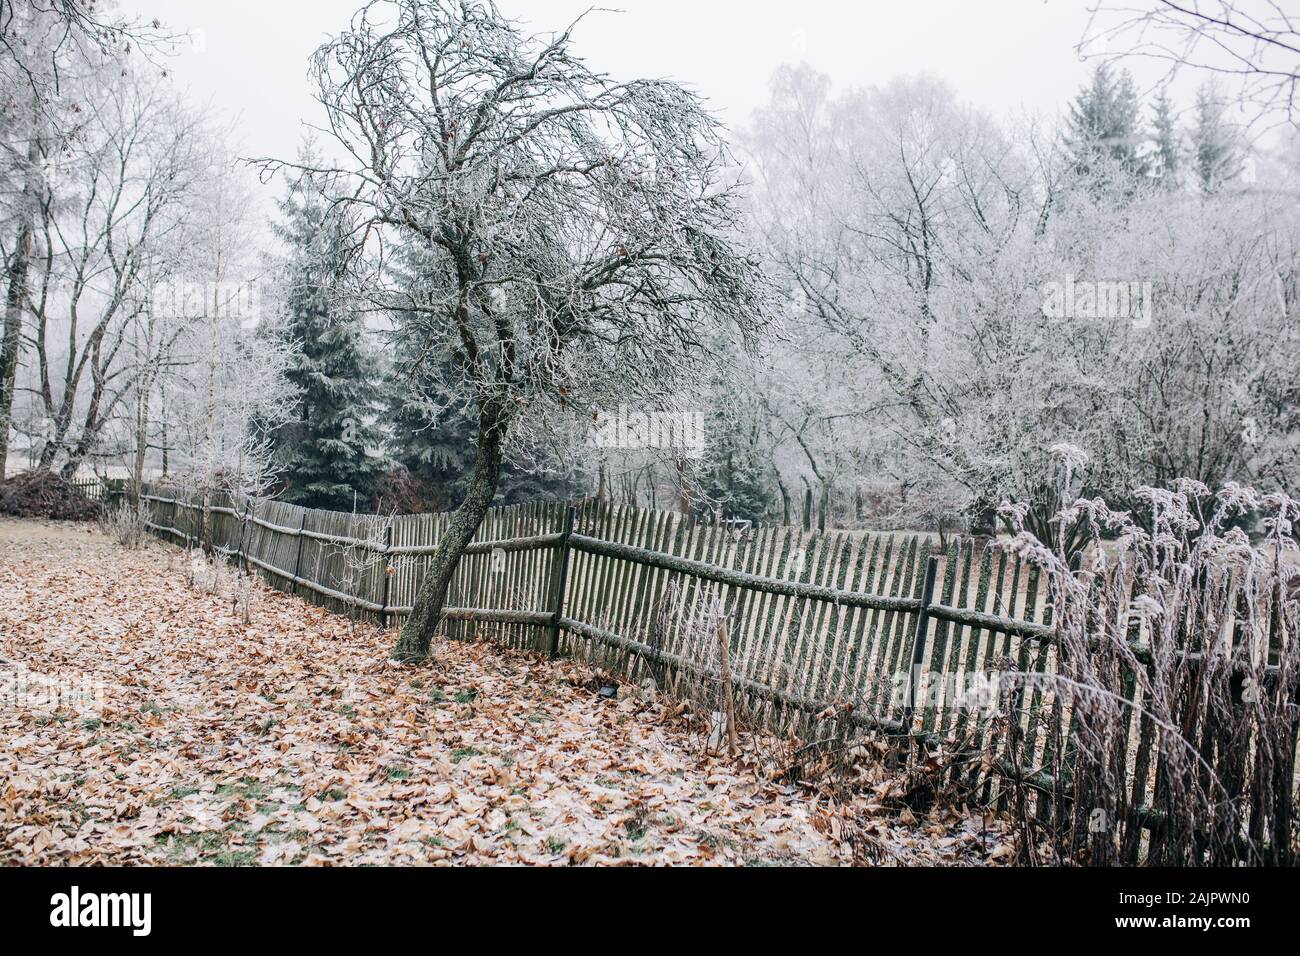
(904,372)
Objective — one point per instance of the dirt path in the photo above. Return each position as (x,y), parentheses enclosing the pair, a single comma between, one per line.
(294,739)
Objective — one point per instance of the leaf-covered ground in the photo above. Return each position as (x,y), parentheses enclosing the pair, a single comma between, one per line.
(294,739)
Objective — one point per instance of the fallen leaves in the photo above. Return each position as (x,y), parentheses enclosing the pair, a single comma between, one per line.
(296,740)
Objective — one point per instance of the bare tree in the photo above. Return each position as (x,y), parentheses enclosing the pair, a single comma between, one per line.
(43,40)
(923,245)
(117,203)
(578,230)
(49,49)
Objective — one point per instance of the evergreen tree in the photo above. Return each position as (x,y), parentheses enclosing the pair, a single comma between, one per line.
(433,433)
(1214,147)
(1167,165)
(1103,127)
(327,450)
(735,477)
(432,439)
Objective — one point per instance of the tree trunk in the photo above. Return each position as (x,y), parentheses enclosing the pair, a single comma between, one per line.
(684,503)
(417,633)
(16,291)
(785,498)
(141,442)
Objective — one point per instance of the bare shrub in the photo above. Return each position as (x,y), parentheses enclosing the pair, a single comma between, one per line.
(125,524)
(702,683)
(203,573)
(221,576)
(243,594)
(364,559)
(712,675)
(1169,733)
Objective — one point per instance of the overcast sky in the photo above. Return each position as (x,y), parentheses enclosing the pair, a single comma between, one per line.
(1009,56)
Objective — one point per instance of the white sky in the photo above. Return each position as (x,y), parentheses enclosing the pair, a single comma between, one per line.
(1007,56)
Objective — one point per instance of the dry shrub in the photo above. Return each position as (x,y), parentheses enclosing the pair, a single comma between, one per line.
(1171,732)
(699,685)
(215,575)
(785,742)
(124,524)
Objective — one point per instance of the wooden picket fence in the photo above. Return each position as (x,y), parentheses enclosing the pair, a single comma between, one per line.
(91,487)
(815,620)
(813,617)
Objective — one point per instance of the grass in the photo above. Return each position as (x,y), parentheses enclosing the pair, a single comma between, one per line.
(208,846)
(249,788)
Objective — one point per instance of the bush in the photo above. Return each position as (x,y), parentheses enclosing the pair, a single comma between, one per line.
(124,524)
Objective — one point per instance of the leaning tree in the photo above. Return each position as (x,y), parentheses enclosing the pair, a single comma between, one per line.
(581,232)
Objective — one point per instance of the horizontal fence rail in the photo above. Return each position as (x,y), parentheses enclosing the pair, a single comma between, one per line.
(885,630)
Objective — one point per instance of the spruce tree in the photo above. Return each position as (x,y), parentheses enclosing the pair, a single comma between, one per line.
(328,451)
(735,477)
(1214,149)
(1167,166)
(433,433)
(1102,133)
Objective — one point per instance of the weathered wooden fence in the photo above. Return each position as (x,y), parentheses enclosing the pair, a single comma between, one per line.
(92,488)
(814,618)
(883,622)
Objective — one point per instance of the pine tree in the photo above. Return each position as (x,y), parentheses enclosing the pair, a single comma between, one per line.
(1167,166)
(1103,127)
(1214,147)
(327,451)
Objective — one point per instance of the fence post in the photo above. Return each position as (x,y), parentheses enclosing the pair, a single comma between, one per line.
(560,581)
(297,565)
(388,574)
(918,640)
(243,530)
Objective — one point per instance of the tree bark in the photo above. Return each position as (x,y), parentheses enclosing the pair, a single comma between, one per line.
(16,274)
(16,291)
(426,614)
